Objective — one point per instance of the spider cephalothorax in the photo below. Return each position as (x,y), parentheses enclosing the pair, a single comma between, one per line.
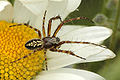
(48,42)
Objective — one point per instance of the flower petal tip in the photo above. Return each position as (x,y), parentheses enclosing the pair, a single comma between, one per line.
(111,56)
(73,5)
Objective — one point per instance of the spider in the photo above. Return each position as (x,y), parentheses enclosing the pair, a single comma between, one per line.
(49,42)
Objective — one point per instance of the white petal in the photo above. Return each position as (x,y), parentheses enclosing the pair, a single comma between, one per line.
(6,11)
(56,0)
(29,10)
(67,29)
(107,54)
(93,34)
(68,74)
(88,51)
(73,4)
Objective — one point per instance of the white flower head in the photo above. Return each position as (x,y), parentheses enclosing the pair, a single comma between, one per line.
(33,10)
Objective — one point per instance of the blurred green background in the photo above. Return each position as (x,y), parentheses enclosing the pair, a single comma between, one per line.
(105,13)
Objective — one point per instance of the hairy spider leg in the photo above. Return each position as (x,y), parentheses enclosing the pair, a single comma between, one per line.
(31,54)
(39,32)
(45,59)
(28,54)
(63,42)
(69,20)
(70,52)
(65,51)
(50,23)
(43,25)
(24,56)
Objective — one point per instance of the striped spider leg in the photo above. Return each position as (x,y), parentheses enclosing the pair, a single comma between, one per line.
(70,52)
(39,32)
(48,33)
(50,42)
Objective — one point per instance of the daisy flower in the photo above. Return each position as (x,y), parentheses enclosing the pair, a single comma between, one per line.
(14,64)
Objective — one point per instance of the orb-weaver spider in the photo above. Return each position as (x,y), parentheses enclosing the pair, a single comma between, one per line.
(49,42)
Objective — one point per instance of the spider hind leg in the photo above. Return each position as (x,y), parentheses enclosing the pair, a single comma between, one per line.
(67,52)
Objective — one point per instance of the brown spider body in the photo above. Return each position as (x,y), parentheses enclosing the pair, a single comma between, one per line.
(50,42)
(45,43)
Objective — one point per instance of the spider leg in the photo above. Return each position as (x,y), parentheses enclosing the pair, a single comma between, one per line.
(69,20)
(16,25)
(63,42)
(46,67)
(25,56)
(70,52)
(67,52)
(43,28)
(39,33)
(50,23)
(28,55)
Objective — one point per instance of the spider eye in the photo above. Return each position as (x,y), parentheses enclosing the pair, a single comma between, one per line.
(34,44)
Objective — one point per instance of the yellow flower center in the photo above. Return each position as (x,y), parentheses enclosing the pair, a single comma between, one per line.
(12,48)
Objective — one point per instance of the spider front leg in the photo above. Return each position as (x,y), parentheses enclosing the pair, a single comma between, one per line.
(39,33)
(50,23)
(43,24)
(69,20)
(67,52)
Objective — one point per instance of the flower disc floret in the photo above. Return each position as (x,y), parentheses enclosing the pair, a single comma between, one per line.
(12,48)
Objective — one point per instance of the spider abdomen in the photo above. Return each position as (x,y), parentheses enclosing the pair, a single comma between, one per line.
(34,44)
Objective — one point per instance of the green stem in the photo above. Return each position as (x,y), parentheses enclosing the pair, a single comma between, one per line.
(113,38)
